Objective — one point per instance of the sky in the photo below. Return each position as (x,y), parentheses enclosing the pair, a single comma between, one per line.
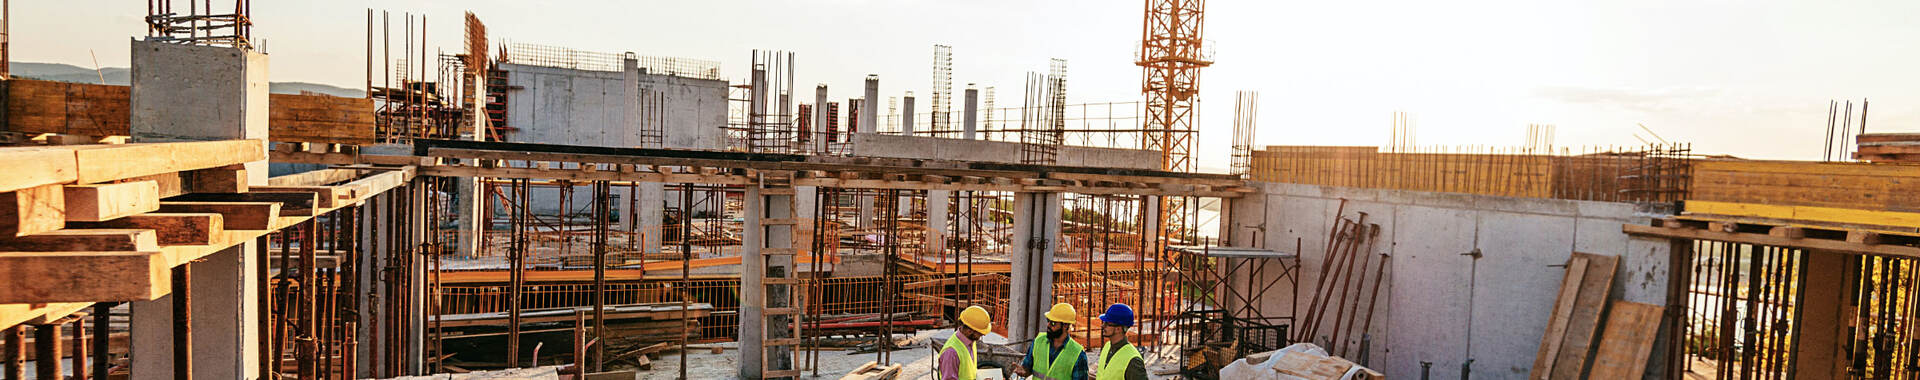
(1747,78)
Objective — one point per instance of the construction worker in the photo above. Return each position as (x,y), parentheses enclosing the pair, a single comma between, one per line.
(957,357)
(1054,355)
(1119,360)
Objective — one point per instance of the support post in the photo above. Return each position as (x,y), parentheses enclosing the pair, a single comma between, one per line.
(971,122)
(1036,234)
(46,350)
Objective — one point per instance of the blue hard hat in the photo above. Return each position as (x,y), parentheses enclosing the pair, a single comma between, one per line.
(1118,315)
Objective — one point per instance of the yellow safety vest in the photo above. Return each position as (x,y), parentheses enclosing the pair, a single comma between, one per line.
(1111,369)
(967,368)
(1061,370)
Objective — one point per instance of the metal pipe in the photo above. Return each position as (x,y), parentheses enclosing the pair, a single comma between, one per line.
(16,352)
(183,322)
(306,349)
(46,349)
(80,346)
(102,338)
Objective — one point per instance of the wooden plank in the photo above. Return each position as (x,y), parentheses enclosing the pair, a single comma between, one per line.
(28,167)
(44,277)
(1764,239)
(328,196)
(100,240)
(168,228)
(315,178)
(1805,213)
(1627,343)
(32,210)
(1557,323)
(291,204)
(234,215)
(101,202)
(1595,287)
(102,163)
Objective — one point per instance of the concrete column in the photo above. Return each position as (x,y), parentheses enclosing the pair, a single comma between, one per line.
(416,341)
(870,106)
(1036,235)
(906,115)
(820,118)
(372,243)
(467,200)
(971,121)
(755,296)
(200,93)
(937,203)
(653,203)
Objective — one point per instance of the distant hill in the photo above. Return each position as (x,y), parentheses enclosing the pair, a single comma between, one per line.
(121,76)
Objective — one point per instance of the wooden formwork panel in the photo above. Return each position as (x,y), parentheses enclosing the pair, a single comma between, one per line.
(319,118)
(1363,167)
(37,106)
(1890,187)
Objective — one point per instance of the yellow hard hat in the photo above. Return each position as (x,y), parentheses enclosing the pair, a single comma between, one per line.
(976,318)
(1063,313)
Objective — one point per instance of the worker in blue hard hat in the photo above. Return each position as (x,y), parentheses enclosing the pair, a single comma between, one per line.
(1054,355)
(1119,360)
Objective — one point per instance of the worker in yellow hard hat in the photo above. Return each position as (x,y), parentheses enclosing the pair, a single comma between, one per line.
(958,360)
(1054,354)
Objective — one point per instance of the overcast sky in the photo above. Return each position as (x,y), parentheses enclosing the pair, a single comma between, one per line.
(1750,78)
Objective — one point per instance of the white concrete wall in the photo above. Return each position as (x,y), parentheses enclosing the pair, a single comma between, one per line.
(582,107)
(878,145)
(1441,306)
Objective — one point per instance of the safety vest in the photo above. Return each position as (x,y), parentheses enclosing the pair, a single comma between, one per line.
(967,368)
(1063,369)
(1112,366)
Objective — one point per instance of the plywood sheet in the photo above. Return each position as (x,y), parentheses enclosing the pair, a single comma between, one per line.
(1627,343)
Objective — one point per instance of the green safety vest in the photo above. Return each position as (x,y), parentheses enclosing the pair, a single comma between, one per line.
(1111,369)
(967,368)
(1061,370)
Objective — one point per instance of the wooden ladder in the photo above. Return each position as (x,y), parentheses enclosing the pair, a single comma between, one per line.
(781,290)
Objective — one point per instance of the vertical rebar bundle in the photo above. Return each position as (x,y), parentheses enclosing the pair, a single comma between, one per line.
(942,120)
(1245,118)
(201,24)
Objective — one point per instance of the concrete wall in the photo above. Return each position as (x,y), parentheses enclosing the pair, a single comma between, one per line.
(583,107)
(1441,306)
(878,145)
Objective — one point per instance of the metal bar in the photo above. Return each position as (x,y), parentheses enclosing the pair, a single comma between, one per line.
(46,349)
(102,338)
(183,322)
(80,347)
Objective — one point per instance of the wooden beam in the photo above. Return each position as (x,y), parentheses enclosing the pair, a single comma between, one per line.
(32,210)
(315,178)
(46,277)
(102,202)
(227,179)
(29,167)
(233,215)
(291,204)
(102,163)
(1764,239)
(168,228)
(328,196)
(101,240)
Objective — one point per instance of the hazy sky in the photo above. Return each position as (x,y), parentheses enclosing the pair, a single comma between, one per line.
(1750,78)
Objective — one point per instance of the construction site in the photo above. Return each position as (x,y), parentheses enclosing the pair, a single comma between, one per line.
(487,209)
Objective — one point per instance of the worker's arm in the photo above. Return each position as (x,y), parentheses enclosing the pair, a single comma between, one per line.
(1080,367)
(949,365)
(1026,365)
(1136,370)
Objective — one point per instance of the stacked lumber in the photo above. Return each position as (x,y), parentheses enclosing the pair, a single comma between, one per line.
(873,371)
(1888,147)
(104,223)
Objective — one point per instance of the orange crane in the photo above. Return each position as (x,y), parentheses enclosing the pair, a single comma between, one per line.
(1171,57)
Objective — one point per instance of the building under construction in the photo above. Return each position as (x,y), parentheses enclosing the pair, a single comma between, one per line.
(657,217)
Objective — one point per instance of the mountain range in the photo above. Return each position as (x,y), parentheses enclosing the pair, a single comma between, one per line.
(121,76)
